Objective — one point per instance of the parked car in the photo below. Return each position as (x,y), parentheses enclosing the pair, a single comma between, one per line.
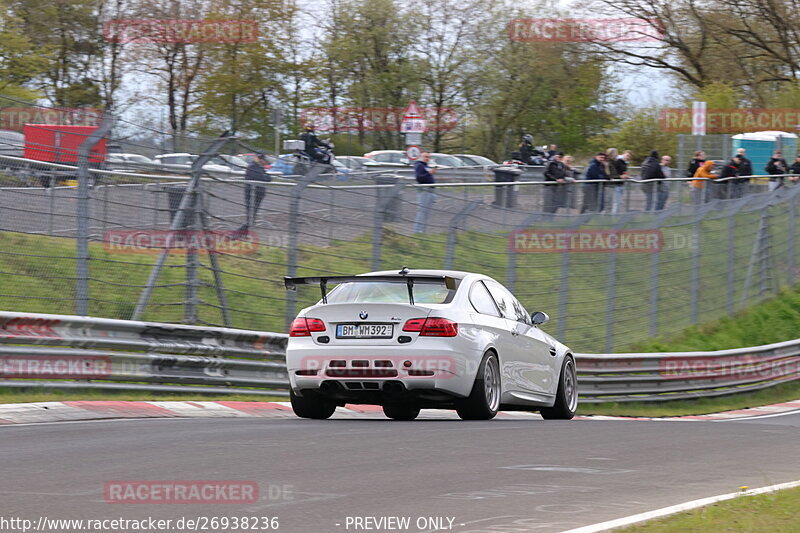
(388,157)
(248,158)
(356,162)
(129,162)
(425,339)
(182,162)
(476,160)
(445,161)
(12,143)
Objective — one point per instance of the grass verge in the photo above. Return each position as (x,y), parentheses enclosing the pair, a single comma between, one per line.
(781,393)
(774,513)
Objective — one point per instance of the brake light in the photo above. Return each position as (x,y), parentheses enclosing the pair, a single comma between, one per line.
(302,327)
(432,327)
(414,325)
(439,327)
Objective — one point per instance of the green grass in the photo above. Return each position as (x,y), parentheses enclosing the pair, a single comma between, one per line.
(40,395)
(780,393)
(774,320)
(764,513)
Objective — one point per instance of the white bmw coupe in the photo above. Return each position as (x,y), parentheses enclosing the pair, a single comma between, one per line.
(425,339)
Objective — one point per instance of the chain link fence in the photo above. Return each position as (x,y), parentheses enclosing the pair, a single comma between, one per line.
(152,242)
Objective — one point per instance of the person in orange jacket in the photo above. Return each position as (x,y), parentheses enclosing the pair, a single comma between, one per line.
(698,185)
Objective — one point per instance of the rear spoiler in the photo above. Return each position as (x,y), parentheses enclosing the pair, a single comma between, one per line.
(292,283)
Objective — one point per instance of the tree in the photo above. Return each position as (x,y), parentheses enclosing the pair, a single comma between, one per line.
(19,61)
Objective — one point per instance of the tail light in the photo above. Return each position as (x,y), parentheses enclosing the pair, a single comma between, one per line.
(432,327)
(303,327)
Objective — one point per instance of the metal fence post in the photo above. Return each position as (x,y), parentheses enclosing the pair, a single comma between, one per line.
(731,262)
(192,264)
(452,235)
(82,262)
(511,278)
(790,244)
(382,203)
(695,271)
(294,228)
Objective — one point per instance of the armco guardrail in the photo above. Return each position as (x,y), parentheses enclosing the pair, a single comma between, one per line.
(59,351)
(44,350)
(651,377)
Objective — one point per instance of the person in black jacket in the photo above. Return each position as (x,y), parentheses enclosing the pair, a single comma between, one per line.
(651,170)
(775,167)
(795,168)
(593,193)
(254,193)
(312,142)
(555,190)
(695,163)
(730,170)
(745,169)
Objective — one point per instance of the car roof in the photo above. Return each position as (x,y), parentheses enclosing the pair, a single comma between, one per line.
(174,154)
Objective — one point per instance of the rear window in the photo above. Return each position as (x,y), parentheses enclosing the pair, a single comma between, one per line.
(383,292)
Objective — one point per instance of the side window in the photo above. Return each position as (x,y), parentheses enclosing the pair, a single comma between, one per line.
(383,158)
(510,306)
(481,300)
(395,158)
(504,299)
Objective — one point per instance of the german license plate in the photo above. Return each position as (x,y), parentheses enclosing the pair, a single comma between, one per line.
(364,331)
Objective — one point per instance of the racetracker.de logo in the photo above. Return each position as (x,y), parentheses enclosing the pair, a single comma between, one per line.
(180,31)
(597,241)
(729,368)
(181,492)
(180,241)
(604,30)
(55,367)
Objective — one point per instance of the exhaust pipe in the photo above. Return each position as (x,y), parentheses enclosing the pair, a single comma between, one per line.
(330,387)
(394,388)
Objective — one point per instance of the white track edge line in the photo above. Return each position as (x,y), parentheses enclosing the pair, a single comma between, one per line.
(758,417)
(673,509)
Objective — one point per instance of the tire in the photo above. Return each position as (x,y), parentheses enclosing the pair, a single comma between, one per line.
(484,400)
(400,411)
(311,406)
(567,396)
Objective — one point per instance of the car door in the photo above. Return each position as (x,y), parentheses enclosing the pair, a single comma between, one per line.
(490,324)
(527,365)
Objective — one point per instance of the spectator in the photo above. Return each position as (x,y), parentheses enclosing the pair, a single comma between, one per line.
(551,153)
(621,162)
(729,173)
(663,187)
(425,195)
(526,149)
(593,200)
(555,191)
(616,167)
(745,169)
(695,163)
(795,169)
(775,167)
(253,193)
(698,186)
(572,175)
(651,170)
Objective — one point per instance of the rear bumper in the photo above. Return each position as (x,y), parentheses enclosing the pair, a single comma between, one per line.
(430,369)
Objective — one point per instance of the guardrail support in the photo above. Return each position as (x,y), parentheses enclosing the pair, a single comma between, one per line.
(82,262)
(178,220)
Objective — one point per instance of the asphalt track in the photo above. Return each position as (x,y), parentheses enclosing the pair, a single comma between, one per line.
(497,476)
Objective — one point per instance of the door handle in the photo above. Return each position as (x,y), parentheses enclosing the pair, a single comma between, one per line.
(515,333)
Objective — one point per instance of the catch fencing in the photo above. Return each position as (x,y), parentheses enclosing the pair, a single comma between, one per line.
(59,352)
(181,243)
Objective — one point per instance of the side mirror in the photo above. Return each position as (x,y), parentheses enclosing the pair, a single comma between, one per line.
(538,318)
